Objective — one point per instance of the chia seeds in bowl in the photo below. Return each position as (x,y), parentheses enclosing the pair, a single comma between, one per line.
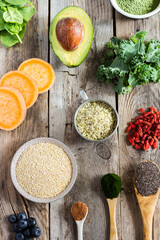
(147,178)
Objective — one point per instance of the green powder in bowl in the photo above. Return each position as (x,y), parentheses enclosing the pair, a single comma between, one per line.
(138,7)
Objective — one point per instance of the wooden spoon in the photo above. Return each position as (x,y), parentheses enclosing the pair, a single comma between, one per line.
(112,211)
(147,206)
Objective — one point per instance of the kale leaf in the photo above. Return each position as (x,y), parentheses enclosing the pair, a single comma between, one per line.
(130,63)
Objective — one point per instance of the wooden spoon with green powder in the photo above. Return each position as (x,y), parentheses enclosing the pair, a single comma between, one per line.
(112,186)
(147,189)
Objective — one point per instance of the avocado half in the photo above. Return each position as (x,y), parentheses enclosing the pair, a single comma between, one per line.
(71,35)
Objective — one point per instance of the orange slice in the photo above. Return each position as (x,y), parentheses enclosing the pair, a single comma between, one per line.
(41,71)
(23,83)
(12,108)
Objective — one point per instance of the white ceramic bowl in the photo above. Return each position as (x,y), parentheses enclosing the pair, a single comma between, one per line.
(115,5)
(16,158)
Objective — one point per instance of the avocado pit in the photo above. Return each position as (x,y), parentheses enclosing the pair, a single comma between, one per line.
(70,33)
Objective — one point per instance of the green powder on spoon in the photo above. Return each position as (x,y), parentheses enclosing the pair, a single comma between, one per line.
(138,7)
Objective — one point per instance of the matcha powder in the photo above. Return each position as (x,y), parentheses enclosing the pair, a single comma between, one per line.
(138,7)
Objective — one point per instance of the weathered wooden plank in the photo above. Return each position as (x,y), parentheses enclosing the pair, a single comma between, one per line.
(64,99)
(143,96)
(35,125)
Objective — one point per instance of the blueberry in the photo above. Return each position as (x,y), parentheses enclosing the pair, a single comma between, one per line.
(27,233)
(23,224)
(36,232)
(12,218)
(19,236)
(16,228)
(21,216)
(31,222)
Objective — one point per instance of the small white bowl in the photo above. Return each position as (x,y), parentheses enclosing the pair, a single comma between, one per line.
(16,158)
(115,5)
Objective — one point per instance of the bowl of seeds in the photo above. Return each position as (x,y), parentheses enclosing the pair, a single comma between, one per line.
(136,9)
(95,119)
(43,170)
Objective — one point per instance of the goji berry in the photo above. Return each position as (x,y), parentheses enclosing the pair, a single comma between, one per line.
(128,129)
(144,137)
(140,131)
(131,141)
(148,113)
(154,145)
(146,145)
(135,134)
(142,110)
(153,109)
(156,140)
(136,146)
(132,125)
(151,142)
(158,126)
(139,117)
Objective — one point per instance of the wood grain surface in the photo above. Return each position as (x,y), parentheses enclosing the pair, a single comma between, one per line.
(52,116)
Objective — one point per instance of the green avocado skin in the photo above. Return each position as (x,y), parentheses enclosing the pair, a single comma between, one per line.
(60,55)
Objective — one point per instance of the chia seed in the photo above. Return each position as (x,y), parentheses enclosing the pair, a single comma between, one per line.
(147,178)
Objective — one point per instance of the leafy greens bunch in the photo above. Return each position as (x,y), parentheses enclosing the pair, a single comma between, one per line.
(13,17)
(129,63)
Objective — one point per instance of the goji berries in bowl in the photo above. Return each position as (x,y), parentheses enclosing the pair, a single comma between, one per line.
(144,131)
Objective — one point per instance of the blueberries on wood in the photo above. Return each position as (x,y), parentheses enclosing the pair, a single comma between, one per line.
(23,224)
(31,222)
(36,232)
(25,228)
(21,216)
(19,236)
(12,218)
(27,233)
(16,228)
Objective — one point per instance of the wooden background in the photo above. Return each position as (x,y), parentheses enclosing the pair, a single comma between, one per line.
(52,116)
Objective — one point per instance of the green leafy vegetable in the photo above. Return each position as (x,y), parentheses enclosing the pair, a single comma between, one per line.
(12,15)
(13,28)
(111,185)
(131,63)
(3,3)
(13,18)
(2,27)
(27,13)
(9,40)
(16,2)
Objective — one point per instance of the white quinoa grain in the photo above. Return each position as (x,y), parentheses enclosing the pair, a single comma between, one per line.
(44,170)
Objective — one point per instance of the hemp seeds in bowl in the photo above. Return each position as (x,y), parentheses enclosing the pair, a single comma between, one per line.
(43,170)
(96,120)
